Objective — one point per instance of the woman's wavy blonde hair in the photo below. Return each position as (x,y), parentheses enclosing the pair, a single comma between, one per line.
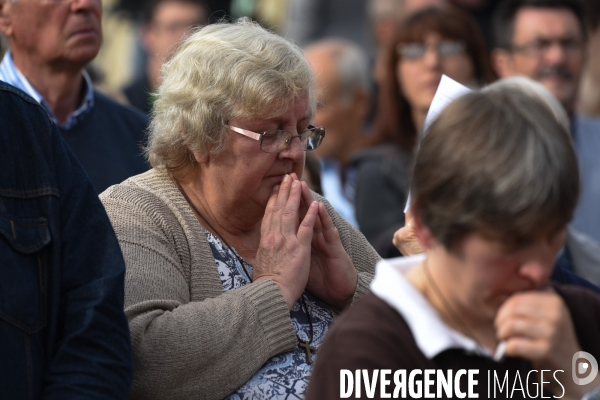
(222,72)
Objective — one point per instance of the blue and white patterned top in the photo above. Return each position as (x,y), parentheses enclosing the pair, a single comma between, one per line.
(284,376)
(10,74)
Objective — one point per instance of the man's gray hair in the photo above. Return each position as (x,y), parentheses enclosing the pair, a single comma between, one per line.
(353,69)
(497,163)
(219,73)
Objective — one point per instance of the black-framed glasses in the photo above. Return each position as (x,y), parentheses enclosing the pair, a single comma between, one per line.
(416,51)
(540,46)
(277,140)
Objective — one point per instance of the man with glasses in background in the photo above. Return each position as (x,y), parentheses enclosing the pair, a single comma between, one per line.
(545,40)
(50,43)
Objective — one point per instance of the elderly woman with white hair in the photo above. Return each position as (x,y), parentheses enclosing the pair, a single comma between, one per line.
(235,269)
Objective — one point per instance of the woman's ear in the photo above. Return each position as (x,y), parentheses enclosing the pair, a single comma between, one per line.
(201,158)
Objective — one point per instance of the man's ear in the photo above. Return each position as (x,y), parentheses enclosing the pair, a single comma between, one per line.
(502,62)
(361,103)
(422,232)
(5,20)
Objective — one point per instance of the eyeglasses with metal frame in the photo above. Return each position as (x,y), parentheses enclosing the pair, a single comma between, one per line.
(277,140)
(541,46)
(415,51)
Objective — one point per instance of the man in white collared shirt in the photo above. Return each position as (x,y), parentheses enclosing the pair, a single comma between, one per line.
(491,202)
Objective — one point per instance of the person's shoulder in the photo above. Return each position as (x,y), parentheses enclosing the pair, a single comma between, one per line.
(587,119)
(376,332)
(386,159)
(369,336)
(360,317)
(24,123)
(385,167)
(152,191)
(586,125)
(583,304)
(584,307)
(380,153)
(13,97)
(152,198)
(579,296)
(116,109)
(7,91)
(155,181)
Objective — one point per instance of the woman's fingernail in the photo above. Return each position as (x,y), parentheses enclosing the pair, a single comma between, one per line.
(295,184)
(314,204)
(286,177)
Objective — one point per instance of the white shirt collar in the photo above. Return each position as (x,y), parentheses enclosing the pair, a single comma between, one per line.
(431,334)
(333,190)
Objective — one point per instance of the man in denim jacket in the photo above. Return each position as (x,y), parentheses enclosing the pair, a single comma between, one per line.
(63,333)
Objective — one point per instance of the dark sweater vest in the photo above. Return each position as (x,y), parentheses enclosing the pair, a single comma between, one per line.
(107,142)
(372,335)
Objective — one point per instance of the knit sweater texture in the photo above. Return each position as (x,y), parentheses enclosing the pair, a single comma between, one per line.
(190,339)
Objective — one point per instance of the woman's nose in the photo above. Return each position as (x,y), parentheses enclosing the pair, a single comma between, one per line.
(431,58)
(295,150)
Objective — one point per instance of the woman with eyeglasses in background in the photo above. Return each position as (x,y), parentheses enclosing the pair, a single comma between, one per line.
(430,43)
(234,267)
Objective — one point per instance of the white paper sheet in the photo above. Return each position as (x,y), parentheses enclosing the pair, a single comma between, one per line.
(447,91)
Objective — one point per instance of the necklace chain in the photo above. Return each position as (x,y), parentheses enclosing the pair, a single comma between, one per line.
(306,346)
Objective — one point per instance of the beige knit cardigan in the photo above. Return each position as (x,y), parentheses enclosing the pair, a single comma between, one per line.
(190,340)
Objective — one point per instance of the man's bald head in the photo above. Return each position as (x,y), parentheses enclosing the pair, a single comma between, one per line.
(342,73)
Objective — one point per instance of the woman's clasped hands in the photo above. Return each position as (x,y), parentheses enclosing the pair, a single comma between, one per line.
(300,248)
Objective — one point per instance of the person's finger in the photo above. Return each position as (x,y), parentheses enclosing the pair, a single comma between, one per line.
(397,240)
(523,327)
(407,242)
(307,200)
(307,195)
(289,218)
(408,217)
(303,207)
(527,348)
(535,305)
(329,230)
(305,230)
(282,196)
(266,221)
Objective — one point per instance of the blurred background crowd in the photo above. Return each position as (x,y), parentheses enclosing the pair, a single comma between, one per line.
(377,65)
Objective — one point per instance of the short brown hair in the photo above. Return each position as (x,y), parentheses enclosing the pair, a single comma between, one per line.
(393,122)
(496,163)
